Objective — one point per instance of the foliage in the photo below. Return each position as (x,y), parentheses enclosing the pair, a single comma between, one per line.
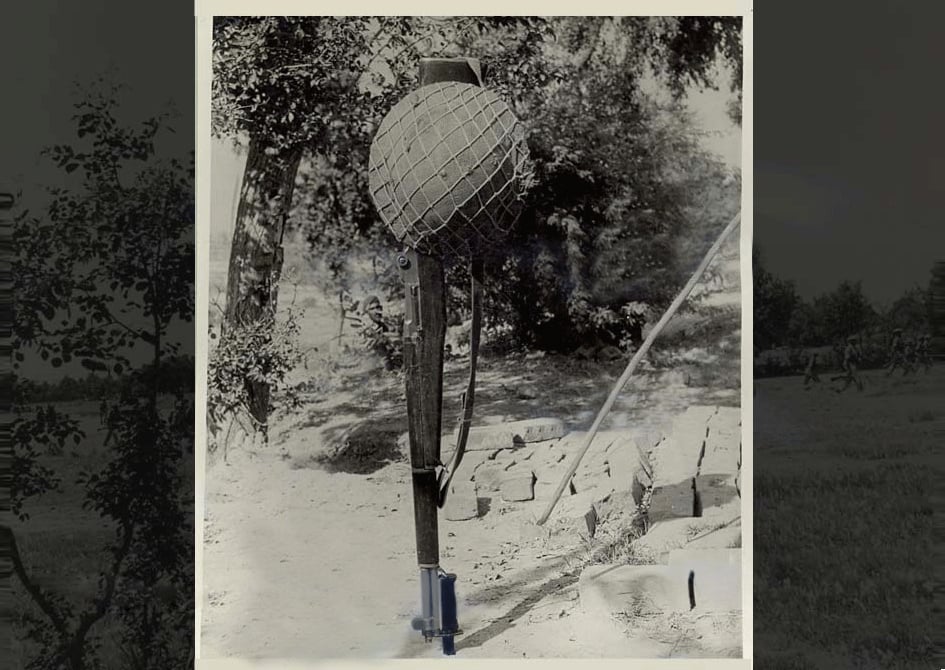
(774,302)
(621,177)
(99,278)
(909,312)
(266,350)
(843,312)
(783,319)
(620,181)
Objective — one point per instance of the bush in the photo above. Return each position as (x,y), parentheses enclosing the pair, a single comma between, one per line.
(266,350)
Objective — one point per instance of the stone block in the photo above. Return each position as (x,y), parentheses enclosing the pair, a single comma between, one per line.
(544,490)
(512,434)
(727,417)
(462,502)
(721,455)
(724,537)
(607,590)
(694,533)
(488,476)
(623,463)
(579,513)
(638,488)
(662,538)
(689,557)
(548,472)
(671,466)
(517,487)
(725,511)
(713,493)
(590,476)
(716,577)
(700,413)
(717,587)
(671,502)
(677,458)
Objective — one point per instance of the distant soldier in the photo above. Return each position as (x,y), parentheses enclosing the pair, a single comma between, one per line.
(375,313)
(896,352)
(909,352)
(810,372)
(377,331)
(851,356)
(923,357)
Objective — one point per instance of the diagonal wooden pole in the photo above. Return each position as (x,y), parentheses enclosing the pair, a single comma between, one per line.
(632,366)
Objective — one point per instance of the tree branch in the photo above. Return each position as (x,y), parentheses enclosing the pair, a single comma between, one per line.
(113,319)
(585,58)
(101,604)
(36,593)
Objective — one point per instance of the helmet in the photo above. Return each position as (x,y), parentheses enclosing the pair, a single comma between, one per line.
(449,167)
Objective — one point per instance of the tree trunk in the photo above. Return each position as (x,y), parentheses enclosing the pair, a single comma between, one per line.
(256,253)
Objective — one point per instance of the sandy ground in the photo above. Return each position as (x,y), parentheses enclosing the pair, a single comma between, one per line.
(294,553)
(303,561)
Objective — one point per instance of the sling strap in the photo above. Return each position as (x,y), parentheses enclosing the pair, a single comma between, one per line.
(465,417)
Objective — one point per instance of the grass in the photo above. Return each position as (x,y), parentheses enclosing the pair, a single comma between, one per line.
(64,547)
(844,537)
(921,415)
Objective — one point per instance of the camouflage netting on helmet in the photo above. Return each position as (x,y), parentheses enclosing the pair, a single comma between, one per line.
(448,169)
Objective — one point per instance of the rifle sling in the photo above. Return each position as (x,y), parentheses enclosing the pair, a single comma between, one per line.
(446,474)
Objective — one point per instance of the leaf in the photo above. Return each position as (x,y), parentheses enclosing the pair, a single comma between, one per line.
(93,365)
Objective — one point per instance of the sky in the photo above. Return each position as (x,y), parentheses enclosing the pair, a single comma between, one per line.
(48,47)
(849,144)
(67,43)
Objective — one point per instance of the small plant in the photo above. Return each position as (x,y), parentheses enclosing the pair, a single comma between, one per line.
(265,350)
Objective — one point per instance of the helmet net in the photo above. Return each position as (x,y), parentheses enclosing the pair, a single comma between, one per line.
(449,168)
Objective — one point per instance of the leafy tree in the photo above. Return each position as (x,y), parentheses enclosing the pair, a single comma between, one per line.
(909,312)
(614,167)
(99,278)
(620,178)
(775,301)
(600,239)
(806,326)
(292,86)
(844,311)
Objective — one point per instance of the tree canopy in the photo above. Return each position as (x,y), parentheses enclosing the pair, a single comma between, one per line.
(622,176)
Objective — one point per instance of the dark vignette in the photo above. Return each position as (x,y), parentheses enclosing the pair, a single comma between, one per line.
(96,461)
(848,237)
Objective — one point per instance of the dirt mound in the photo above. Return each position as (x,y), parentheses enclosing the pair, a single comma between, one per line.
(366,449)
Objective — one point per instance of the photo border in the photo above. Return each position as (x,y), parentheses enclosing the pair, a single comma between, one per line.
(205,11)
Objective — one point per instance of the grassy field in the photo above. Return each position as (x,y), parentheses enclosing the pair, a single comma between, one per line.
(64,547)
(844,524)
